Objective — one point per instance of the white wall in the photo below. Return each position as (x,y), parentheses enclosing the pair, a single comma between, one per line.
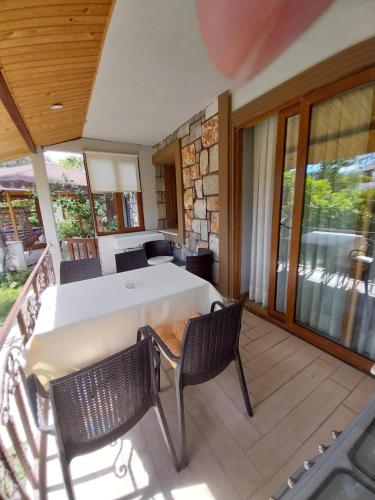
(147,170)
(345,23)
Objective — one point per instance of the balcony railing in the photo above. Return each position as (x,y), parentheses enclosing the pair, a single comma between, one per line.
(22,447)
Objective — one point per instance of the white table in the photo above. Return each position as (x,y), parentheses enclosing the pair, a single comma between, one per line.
(83,322)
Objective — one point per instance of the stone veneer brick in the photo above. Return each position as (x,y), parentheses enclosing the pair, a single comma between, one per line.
(199,153)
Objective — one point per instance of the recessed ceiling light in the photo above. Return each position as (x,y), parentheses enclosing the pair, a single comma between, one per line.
(57,105)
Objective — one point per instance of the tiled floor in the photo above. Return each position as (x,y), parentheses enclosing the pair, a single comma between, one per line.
(299,395)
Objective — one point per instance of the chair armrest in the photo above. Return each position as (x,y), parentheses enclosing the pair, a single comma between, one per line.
(34,385)
(35,390)
(216,303)
(148,331)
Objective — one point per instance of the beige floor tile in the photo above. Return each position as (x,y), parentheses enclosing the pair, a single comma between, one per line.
(332,360)
(361,394)
(244,341)
(203,465)
(245,355)
(274,449)
(271,380)
(226,450)
(237,421)
(338,420)
(264,343)
(260,330)
(228,381)
(280,403)
(252,319)
(271,357)
(347,376)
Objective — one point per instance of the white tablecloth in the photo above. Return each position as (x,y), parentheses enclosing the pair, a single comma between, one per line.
(83,322)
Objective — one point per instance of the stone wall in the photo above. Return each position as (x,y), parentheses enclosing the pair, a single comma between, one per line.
(200,166)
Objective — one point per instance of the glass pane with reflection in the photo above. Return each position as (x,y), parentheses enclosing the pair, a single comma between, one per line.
(286,213)
(336,287)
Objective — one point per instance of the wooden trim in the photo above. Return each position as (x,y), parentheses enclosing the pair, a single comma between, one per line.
(10,105)
(171,154)
(323,343)
(141,218)
(224,107)
(12,216)
(342,85)
(302,153)
(119,212)
(336,67)
(276,209)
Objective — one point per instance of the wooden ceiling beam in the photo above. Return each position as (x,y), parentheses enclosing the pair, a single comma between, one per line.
(10,106)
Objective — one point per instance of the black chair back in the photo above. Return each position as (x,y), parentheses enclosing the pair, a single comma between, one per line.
(134,259)
(210,343)
(157,248)
(79,270)
(96,405)
(201,264)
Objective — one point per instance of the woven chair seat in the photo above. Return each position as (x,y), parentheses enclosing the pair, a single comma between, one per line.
(172,335)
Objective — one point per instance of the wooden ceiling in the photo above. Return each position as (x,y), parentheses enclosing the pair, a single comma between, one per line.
(49,53)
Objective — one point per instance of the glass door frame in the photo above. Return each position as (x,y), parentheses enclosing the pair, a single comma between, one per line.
(303,107)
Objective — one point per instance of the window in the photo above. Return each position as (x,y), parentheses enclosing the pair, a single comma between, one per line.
(115,192)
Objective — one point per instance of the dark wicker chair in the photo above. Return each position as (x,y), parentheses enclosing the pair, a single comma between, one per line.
(157,248)
(97,405)
(205,347)
(201,264)
(134,259)
(79,270)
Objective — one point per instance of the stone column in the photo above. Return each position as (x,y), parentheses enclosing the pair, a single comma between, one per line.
(45,202)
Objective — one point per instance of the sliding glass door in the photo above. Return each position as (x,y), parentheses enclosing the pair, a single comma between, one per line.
(322,277)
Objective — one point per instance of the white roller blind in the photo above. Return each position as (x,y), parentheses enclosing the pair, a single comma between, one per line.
(111,172)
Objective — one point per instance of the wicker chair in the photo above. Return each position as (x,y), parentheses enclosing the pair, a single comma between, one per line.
(201,264)
(134,259)
(79,270)
(97,405)
(200,351)
(158,249)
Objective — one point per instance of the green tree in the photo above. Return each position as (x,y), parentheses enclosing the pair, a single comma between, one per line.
(73,162)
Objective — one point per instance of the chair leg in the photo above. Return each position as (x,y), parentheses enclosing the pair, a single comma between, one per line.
(242,380)
(165,431)
(67,478)
(181,420)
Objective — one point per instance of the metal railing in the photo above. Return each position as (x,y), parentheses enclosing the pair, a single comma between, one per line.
(22,447)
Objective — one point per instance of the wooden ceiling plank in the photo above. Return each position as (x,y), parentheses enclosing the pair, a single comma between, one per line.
(22,7)
(68,49)
(22,82)
(48,31)
(39,22)
(60,38)
(49,52)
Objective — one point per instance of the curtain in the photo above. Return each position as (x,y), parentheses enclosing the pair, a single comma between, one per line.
(112,172)
(263,177)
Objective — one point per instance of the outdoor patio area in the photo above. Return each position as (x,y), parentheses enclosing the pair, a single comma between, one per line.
(187,250)
(299,395)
